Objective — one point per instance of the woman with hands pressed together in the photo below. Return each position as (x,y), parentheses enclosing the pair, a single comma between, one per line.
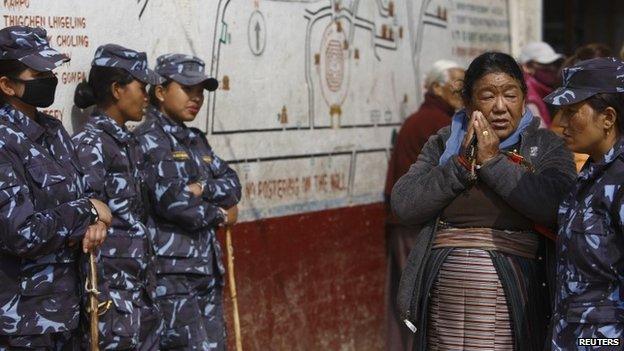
(478,277)
(45,216)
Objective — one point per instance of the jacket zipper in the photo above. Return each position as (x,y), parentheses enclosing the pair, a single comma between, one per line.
(408,320)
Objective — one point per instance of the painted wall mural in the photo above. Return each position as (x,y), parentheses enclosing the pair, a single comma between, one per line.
(310,92)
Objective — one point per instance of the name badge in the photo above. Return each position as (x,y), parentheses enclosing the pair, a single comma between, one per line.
(180,155)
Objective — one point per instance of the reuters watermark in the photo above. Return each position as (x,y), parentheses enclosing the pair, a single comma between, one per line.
(598,342)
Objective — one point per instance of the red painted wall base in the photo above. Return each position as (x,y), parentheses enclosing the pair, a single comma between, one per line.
(310,282)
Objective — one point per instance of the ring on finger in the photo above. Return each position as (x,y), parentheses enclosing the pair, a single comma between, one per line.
(485,133)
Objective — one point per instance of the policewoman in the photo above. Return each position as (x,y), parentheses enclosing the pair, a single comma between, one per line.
(109,156)
(192,192)
(589,300)
(45,218)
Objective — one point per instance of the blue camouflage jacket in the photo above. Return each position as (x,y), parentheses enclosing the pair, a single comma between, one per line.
(590,255)
(110,158)
(176,155)
(42,208)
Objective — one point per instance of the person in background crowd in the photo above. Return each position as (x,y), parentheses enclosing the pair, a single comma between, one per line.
(586,52)
(192,191)
(110,157)
(540,64)
(45,217)
(443,84)
(590,245)
(583,53)
(478,278)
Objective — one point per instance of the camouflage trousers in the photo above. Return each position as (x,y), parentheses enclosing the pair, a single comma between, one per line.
(193,312)
(64,341)
(132,322)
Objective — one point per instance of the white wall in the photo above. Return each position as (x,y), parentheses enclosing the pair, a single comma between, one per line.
(316,87)
(526,23)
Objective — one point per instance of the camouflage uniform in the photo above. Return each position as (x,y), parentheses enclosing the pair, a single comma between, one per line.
(110,159)
(42,210)
(189,267)
(108,154)
(590,262)
(42,207)
(590,244)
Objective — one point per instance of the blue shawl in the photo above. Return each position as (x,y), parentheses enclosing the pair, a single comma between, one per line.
(459,127)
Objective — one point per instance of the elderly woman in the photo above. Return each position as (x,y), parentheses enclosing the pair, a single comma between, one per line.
(477,277)
(590,246)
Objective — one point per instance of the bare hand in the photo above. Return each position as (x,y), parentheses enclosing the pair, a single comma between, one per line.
(195,189)
(232,215)
(94,237)
(104,213)
(488,142)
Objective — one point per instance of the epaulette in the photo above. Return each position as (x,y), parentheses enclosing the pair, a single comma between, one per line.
(146,127)
(198,131)
(88,135)
(203,135)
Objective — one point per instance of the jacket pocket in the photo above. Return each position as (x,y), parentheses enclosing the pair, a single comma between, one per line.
(46,279)
(178,300)
(176,244)
(121,246)
(49,185)
(122,273)
(590,223)
(8,184)
(42,174)
(120,327)
(603,312)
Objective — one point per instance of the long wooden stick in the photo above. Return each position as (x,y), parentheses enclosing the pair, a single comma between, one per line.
(232,280)
(93,303)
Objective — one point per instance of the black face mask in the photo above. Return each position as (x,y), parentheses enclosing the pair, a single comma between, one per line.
(39,92)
